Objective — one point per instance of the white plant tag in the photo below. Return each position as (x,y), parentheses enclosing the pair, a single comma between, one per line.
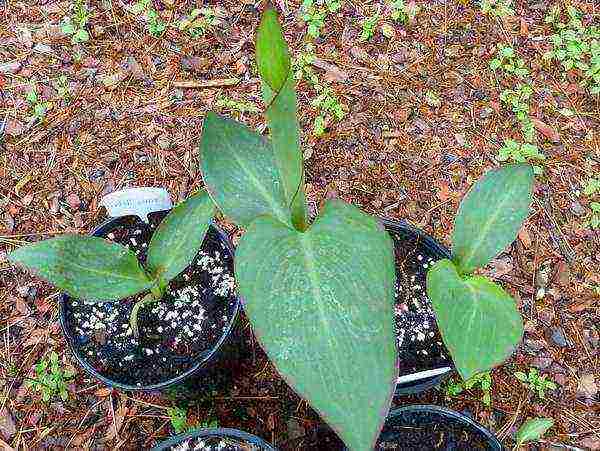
(136,201)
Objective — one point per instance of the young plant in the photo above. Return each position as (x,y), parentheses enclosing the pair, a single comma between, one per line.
(314,13)
(483,381)
(479,322)
(156,25)
(532,430)
(591,188)
(328,107)
(75,26)
(50,379)
(403,12)
(95,269)
(178,417)
(507,60)
(39,107)
(518,101)
(200,21)
(536,382)
(319,296)
(521,153)
(368,27)
(498,8)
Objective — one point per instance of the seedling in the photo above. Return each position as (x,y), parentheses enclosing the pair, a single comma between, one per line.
(94,269)
(592,188)
(156,25)
(50,379)
(433,99)
(314,13)
(200,21)
(576,46)
(403,12)
(518,101)
(62,87)
(483,381)
(498,8)
(368,27)
(521,153)
(536,382)
(178,417)
(236,105)
(328,108)
(507,60)
(320,294)
(75,26)
(532,430)
(39,107)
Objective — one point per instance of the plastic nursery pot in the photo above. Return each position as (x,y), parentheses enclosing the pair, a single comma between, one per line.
(423,358)
(414,428)
(181,336)
(220,439)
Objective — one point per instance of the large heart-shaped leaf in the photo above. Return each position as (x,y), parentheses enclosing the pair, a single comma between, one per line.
(179,236)
(321,304)
(491,215)
(85,267)
(240,171)
(274,65)
(478,320)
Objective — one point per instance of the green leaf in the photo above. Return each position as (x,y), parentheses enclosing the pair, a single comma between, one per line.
(521,376)
(279,94)
(478,320)
(81,36)
(491,215)
(240,172)
(272,54)
(85,267)
(321,305)
(533,430)
(179,236)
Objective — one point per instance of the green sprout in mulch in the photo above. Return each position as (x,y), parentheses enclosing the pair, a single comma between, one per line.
(498,8)
(156,26)
(536,382)
(518,100)
(481,381)
(507,60)
(516,152)
(403,12)
(199,22)
(75,26)
(50,379)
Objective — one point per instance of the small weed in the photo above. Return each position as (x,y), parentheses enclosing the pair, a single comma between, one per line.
(536,382)
(403,13)
(328,107)
(178,417)
(507,59)
(62,87)
(314,13)
(368,27)
(433,99)
(591,188)
(521,153)
(575,46)
(303,65)
(39,108)
(498,8)
(483,381)
(236,105)
(75,26)
(200,21)
(156,26)
(50,379)
(518,101)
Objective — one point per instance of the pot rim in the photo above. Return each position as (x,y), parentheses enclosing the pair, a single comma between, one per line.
(207,356)
(214,432)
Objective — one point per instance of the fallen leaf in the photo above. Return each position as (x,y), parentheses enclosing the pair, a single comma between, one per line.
(103,392)
(591,443)
(332,72)
(7,424)
(587,388)
(501,266)
(525,238)
(546,130)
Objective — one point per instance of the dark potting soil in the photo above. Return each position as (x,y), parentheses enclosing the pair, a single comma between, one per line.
(419,341)
(175,332)
(215,444)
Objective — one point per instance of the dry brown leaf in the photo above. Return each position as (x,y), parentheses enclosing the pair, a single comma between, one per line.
(546,130)
(525,238)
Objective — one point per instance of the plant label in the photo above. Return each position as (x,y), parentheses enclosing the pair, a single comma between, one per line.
(136,201)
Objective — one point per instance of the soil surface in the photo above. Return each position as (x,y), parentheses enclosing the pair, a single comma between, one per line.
(423,120)
(419,341)
(175,333)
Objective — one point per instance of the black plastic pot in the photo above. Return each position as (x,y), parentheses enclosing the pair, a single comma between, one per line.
(413,428)
(403,233)
(240,436)
(204,364)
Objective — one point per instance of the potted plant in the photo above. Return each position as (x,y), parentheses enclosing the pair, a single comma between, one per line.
(320,295)
(145,305)
(214,439)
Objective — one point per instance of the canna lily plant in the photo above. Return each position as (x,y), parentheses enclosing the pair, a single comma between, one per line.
(320,295)
(94,269)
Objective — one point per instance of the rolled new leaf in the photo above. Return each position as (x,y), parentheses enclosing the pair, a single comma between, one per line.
(479,322)
(321,305)
(85,267)
(491,215)
(179,236)
(240,172)
(279,93)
